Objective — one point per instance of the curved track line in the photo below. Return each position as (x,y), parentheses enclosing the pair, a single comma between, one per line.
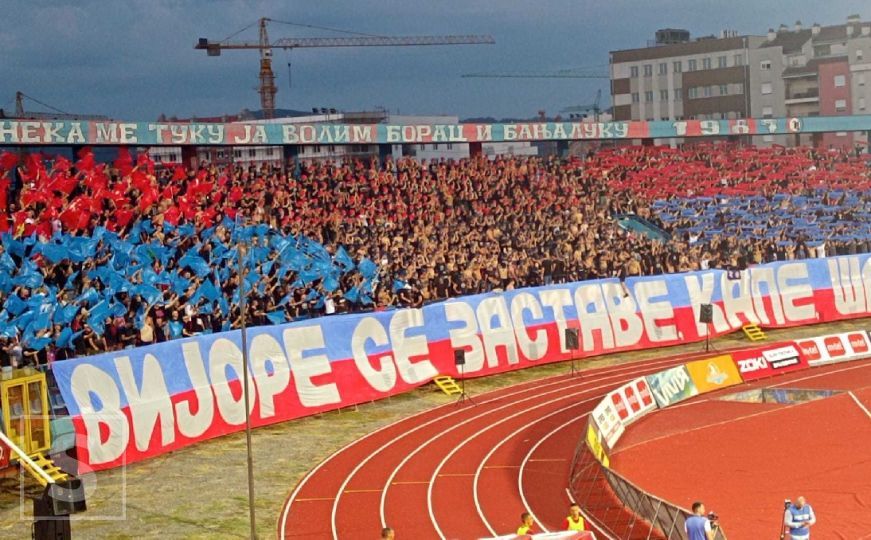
(610,372)
(489,427)
(289,502)
(386,445)
(526,460)
(429,441)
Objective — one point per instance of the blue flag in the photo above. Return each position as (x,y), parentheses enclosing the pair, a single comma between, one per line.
(343,259)
(367,268)
(276,317)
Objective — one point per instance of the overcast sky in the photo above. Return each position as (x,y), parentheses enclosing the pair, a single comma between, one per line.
(135,59)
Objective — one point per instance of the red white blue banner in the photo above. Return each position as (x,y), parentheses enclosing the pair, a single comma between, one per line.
(80,132)
(134,404)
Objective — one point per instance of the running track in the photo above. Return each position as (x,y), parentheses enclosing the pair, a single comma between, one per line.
(459,471)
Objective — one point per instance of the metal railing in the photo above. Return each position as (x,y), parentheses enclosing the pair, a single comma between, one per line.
(617,507)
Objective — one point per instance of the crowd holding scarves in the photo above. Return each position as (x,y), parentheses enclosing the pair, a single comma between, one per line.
(99,256)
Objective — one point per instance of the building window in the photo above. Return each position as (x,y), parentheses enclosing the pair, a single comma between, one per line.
(450,146)
(633,71)
(766,88)
(861,104)
(678,94)
(721,61)
(840,80)
(841,105)
(648,70)
(691,65)
(739,60)
(663,95)
(859,54)
(663,68)
(635,97)
(724,89)
(708,91)
(693,92)
(648,96)
(739,88)
(677,66)
(765,65)
(706,63)
(237,153)
(316,149)
(252,153)
(861,78)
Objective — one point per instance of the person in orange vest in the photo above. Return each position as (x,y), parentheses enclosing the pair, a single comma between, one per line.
(525,524)
(574,521)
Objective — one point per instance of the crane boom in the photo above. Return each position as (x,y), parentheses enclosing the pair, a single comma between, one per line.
(387,41)
(267,87)
(564,74)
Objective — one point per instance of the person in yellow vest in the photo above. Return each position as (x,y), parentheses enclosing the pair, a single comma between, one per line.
(574,521)
(525,524)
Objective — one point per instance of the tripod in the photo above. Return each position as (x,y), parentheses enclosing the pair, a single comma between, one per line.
(464,397)
(708,346)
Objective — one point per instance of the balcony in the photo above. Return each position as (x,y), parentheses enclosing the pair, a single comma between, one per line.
(810,95)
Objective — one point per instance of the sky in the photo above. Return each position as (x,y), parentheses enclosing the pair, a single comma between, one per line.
(134,59)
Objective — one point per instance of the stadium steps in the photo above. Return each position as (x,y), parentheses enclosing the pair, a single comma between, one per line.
(448,385)
(753,332)
(47,466)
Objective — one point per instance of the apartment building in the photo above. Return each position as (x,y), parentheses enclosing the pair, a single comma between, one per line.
(790,72)
(702,79)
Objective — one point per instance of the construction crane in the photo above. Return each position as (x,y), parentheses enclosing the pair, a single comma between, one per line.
(55,114)
(578,73)
(267,88)
(595,107)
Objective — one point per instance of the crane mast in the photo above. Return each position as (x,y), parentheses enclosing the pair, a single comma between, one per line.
(267,87)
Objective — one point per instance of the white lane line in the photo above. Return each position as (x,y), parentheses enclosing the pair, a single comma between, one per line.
(859,403)
(499,445)
(615,371)
(455,449)
(500,421)
(588,519)
(523,463)
(538,383)
(329,458)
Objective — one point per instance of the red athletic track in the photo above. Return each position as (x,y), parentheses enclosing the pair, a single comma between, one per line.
(743,459)
(459,471)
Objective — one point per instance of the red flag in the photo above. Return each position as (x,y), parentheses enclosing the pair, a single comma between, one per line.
(8,161)
(179,173)
(172,215)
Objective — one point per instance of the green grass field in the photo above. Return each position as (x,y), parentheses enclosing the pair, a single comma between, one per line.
(201,491)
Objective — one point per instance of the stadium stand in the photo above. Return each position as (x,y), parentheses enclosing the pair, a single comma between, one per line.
(102,256)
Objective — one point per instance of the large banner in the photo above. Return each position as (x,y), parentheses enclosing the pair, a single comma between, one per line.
(143,402)
(78,132)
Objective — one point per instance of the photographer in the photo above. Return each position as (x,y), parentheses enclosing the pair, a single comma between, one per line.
(798,518)
(699,526)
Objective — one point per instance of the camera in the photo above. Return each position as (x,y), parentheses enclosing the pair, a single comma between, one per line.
(713,518)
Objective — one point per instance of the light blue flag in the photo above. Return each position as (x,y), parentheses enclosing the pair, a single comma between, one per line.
(276,317)
(343,259)
(367,268)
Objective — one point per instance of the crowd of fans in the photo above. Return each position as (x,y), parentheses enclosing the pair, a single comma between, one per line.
(98,257)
